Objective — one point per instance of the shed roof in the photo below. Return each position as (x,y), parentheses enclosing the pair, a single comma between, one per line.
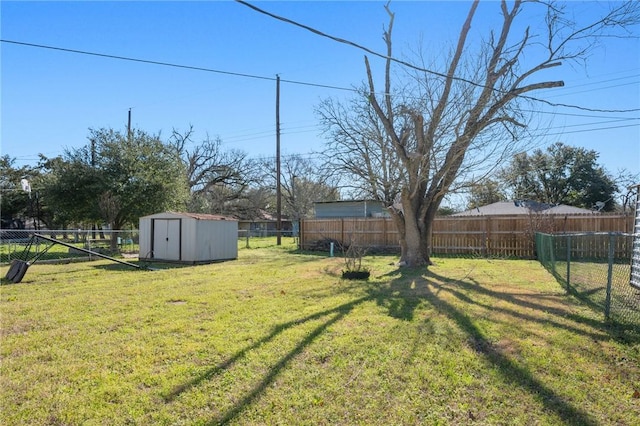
(197,216)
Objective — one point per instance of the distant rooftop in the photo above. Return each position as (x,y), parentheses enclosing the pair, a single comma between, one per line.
(508,208)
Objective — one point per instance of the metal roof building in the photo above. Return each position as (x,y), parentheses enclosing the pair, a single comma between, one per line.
(188,237)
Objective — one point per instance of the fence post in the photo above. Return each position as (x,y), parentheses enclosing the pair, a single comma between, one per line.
(568,262)
(384,231)
(300,234)
(607,303)
(488,234)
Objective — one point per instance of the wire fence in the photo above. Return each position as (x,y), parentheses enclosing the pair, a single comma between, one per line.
(596,268)
(15,244)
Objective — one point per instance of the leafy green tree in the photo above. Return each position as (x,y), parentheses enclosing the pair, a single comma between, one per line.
(69,188)
(16,204)
(561,175)
(446,211)
(116,179)
(485,192)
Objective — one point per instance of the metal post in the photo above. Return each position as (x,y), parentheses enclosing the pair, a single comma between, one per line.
(278,189)
(552,243)
(607,303)
(568,262)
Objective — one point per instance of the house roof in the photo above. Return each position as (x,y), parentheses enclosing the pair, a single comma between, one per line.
(508,208)
(564,209)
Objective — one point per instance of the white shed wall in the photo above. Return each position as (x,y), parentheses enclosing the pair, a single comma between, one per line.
(190,240)
(144,237)
(201,240)
(216,240)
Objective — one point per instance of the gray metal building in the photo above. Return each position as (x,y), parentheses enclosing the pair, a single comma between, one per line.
(188,237)
(351,208)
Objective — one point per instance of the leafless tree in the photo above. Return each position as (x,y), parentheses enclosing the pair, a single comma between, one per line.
(218,178)
(410,145)
(208,164)
(303,183)
(627,183)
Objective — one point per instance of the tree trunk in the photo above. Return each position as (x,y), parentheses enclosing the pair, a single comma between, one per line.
(113,244)
(398,220)
(417,253)
(415,248)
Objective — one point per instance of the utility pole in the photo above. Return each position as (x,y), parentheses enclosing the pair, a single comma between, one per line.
(295,224)
(129,125)
(293,195)
(93,152)
(93,165)
(278,191)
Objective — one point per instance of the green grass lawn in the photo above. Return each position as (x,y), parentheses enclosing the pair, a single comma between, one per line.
(276,337)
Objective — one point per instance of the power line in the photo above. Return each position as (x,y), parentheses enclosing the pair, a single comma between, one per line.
(270,134)
(589,130)
(633,83)
(578,115)
(25,158)
(591,81)
(145,61)
(594,79)
(409,65)
(302,83)
(594,124)
(169,64)
(348,42)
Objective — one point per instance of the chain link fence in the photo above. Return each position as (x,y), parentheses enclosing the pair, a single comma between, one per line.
(14,244)
(596,268)
(123,243)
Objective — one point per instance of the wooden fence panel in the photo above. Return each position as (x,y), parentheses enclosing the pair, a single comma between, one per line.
(502,236)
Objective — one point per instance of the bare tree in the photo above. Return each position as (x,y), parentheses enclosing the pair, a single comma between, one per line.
(303,183)
(409,146)
(218,178)
(627,183)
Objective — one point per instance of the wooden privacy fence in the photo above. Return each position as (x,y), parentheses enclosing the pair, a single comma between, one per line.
(503,236)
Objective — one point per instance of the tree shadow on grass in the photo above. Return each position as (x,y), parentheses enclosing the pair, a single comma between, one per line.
(411,288)
(332,316)
(623,332)
(407,291)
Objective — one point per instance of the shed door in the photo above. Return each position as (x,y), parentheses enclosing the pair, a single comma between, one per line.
(166,239)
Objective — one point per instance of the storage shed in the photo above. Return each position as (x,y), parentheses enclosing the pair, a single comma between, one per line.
(188,237)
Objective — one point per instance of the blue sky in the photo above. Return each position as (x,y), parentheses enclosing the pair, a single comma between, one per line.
(51,98)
